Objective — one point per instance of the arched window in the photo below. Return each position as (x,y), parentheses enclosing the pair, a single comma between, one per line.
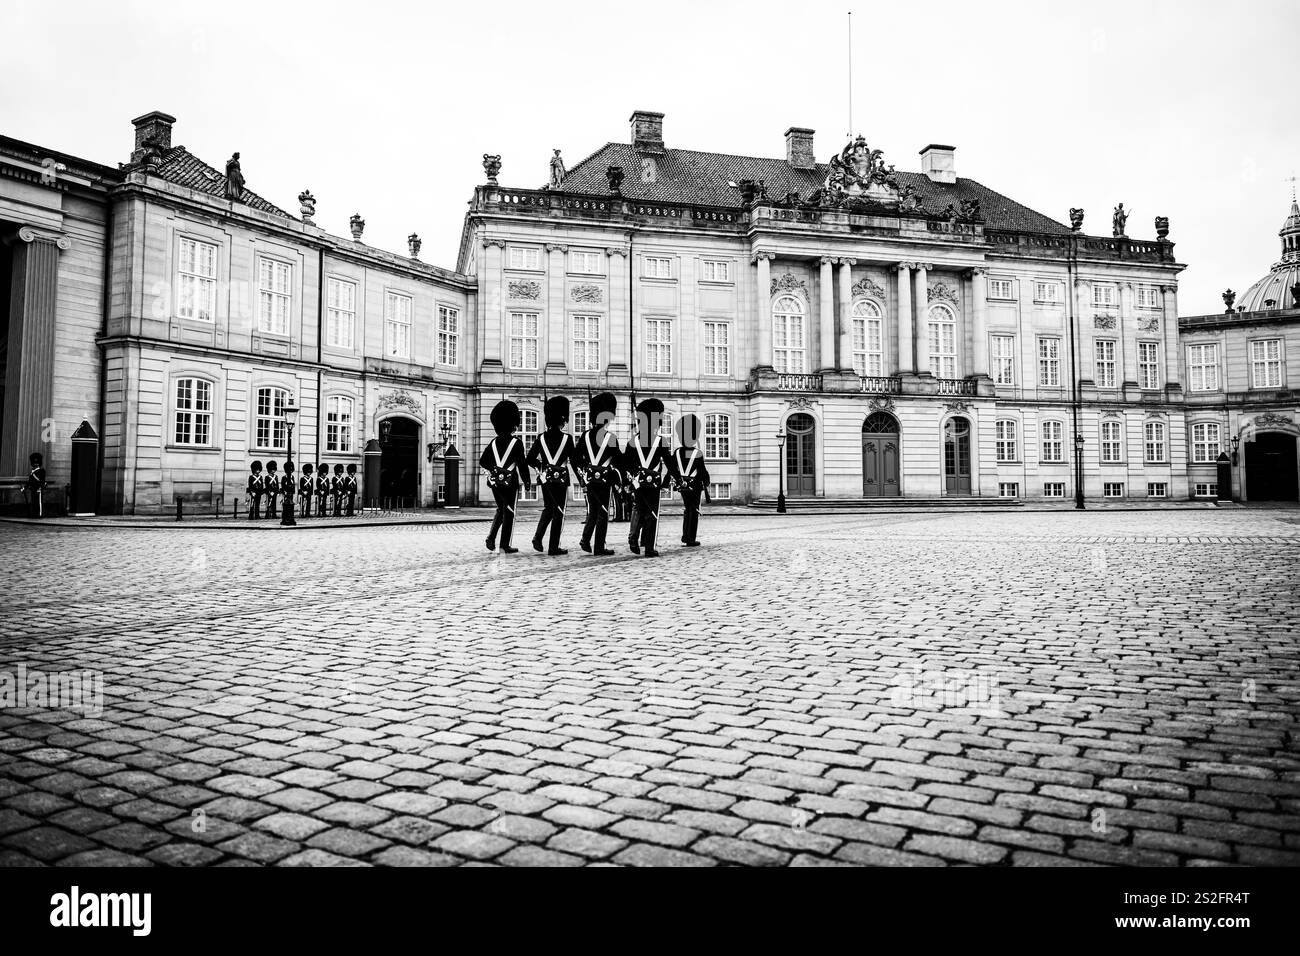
(788,348)
(942,335)
(338,424)
(868,338)
(1005,431)
(717,436)
(449,424)
(270,431)
(1053,441)
(1111,446)
(880,423)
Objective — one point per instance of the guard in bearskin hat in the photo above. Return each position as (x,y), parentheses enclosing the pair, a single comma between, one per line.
(34,486)
(255,488)
(550,456)
(692,477)
(304,491)
(503,461)
(648,466)
(272,488)
(322,489)
(337,489)
(596,460)
(350,488)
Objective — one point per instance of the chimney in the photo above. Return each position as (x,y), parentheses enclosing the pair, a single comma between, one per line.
(153,129)
(648,132)
(799,148)
(937,163)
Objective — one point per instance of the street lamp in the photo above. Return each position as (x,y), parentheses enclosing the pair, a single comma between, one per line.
(290,417)
(780,469)
(1236,440)
(1078,472)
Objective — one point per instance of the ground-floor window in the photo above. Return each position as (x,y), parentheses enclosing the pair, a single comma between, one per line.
(720,490)
(1207,489)
(1054,489)
(1157,489)
(1113,489)
(441,493)
(1008,489)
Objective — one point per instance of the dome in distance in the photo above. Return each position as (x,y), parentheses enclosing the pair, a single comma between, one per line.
(1280,289)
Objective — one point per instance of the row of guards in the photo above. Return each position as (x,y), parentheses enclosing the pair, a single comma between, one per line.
(329,495)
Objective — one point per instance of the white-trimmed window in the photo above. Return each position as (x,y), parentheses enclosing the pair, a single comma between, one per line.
(1157,489)
(193,412)
(1153,434)
(338,424)
(1005,431)
(1266,363)
(1049,362)
(1206,489)
(1004,360)
(1148,297)
(868,338)
(1203,367)
(666,424)
(1105,296)
(525,257)
(273,295)
(523,340)
(270,430)
(717,348)
(715,270)
(340,312)
(942,333)
(1112,447)
(528,429)
(1054,489)
(1001,289)
(720,490)
(657,267)
(1112,489)
(586,262)
(1205,442)
(196,280)
(586,343)
(578,423)
(717,436)
(788,348)
(449,422)
(397,325)
(1008,489)
(658,346)
(1053,440)
(1048,292)
(1149,365)
(1104,353)
(448,335)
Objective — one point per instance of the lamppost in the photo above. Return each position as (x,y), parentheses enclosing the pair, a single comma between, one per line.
(780,469)
(286,512)
(1078,472)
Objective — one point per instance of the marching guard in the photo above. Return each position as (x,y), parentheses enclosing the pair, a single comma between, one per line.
(304,491)
(336,489)
(255,488)
(322,490)
(596,460)
(692,477)
(550,455)
(503,460)
(272,488)
(34,486)
(645,463)
(350,488)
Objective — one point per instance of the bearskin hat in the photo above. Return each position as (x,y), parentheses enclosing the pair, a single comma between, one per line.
(255,467)
(307,469)
(603,407)
(556,411)
(689,428)
(352,469)
(338,469)
(505,418)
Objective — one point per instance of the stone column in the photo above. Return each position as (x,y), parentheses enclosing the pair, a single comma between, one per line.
(29,385)
(826,300)
(846,312)
(979,359)
(763,294)
(616,335)
(492,303)
(556,358)
(920,302)
(906,327)
(1169,328)
(1125,332)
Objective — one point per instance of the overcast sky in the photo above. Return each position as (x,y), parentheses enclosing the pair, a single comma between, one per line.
(1185,109)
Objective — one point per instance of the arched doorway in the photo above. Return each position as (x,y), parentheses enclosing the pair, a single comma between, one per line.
(399,464)
(956,455)
(800,455)
(880,456)
(1271,468)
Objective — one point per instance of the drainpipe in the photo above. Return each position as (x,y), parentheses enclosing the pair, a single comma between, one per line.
(103,349)
(1071,267)
(320,351)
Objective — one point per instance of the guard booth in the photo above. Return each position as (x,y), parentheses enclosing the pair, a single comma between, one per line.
(83,496)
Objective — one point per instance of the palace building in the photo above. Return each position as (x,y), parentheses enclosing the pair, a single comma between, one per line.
(845,330)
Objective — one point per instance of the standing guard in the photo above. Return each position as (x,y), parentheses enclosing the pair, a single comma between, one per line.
(645,462)
(350,488)
(272,488)
(692,477)
(255,488)
(596,460)
(288,488)
(503,460)
(304,491)
(550,455)
(336,489)
(35,485)
(322,490)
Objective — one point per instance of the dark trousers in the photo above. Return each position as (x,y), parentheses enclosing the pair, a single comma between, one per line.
(504,519)
(254,506)
(304,510)
(338,506)
(270,505)
(645,515)
(634,522)
(322,505)
(597,522)
(35,502)
(352,504)
(691,516)
(553,501)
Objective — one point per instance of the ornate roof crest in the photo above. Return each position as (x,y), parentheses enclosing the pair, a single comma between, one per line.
(789,283)
(856,170)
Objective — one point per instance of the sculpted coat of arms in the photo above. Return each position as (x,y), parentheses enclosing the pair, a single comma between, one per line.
(857,170)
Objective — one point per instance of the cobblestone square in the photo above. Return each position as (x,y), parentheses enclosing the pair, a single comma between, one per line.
(1016,688)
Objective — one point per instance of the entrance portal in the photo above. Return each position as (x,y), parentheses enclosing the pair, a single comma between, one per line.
(800,455)
(956,456)
(880,456)
(399,465)
(1271,468)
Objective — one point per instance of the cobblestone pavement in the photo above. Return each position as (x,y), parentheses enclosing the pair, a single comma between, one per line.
(1058,688)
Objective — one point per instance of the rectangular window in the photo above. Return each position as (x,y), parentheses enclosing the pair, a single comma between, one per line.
(448,335)
(788,347)
(588,263)
(1053,441)
(1207,489)
(1001,289)
(943,346)
(717,348)
(1049,363)
(196,280)
(1148,297)
(658,347)
(1153,434)
(1203,367)
(720,490)
(525,257)
(868,347)
(1049,292)
(1111,446)
(193,412)
(1004,360)
(657,267)
(1054,489)
(273,284)
(586,343)
(449,425)
(528,429)
(270,430)
(1005,430)
(397,325)
(1148,365)
(338,424)
(579,423)
(340,312)
(713,270)
(523,340)
(1008,489)
(1266,363)
(1104,296)
(1112,489)
(1157,489)
(1105,363)
(717,436)
(1205,442)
